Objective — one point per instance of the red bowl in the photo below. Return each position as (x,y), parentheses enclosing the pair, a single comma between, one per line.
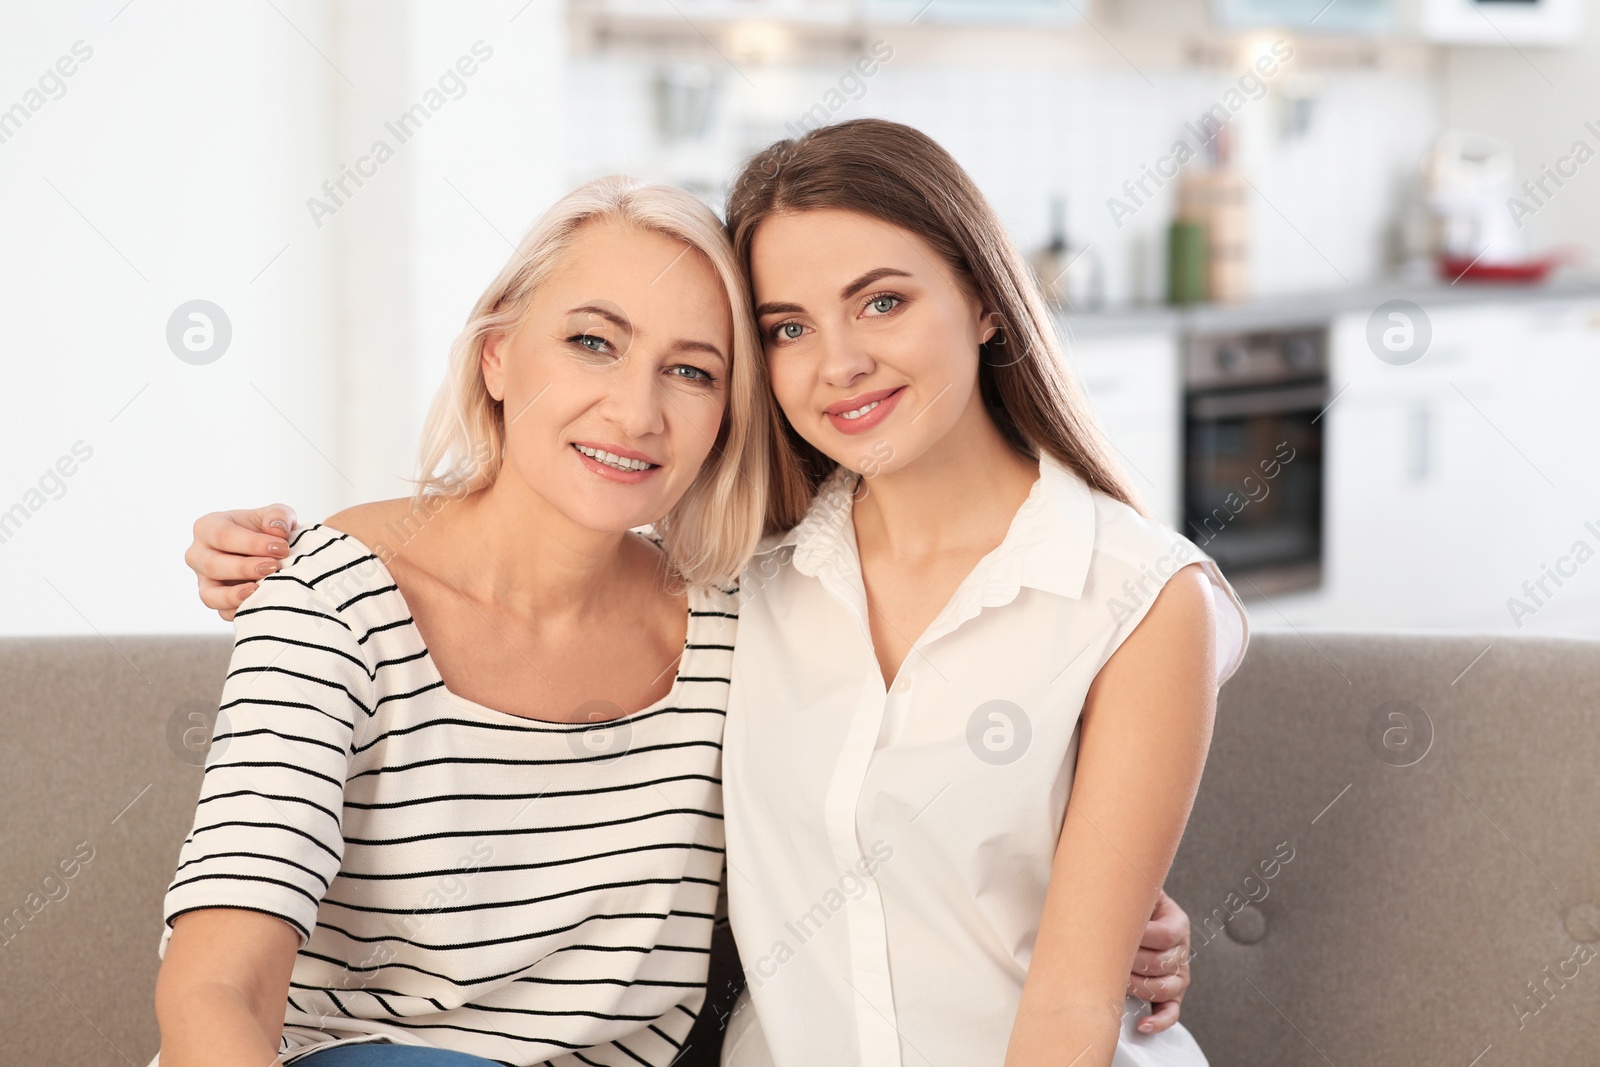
(1454,268)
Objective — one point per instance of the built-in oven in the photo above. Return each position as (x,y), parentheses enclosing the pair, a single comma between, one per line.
(1253,457)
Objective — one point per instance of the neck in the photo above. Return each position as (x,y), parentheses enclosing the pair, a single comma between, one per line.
(519,552)
(967,484)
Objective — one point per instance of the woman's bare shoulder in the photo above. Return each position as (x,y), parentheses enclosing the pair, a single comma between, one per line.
(1175,639)
(385,526)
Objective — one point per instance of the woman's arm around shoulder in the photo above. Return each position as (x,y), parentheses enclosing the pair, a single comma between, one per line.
(1145,729)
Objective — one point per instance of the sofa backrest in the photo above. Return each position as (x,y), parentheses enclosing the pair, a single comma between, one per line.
(1428,808)
(97,801)
(1394,856)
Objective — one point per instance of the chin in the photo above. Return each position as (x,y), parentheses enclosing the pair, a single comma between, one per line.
(591,504)
(883,455)
(603,519)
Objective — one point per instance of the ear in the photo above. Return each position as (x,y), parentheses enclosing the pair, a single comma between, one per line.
(989,323)
(492,364)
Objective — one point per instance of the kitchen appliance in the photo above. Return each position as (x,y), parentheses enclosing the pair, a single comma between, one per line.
(1468,177)
(1253,454)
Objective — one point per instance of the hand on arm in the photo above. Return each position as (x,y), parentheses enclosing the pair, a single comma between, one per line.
(233,550)
(1143,737)
(1161,966)
(223,986)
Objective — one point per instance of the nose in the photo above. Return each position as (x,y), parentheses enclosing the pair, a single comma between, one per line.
(845,359)
(634,402)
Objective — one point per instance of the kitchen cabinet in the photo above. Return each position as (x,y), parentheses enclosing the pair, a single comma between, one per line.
(720,12)
(1554,348)
(1370,17)
(998,12)
(848,13)
(1449,481)
(1498,22)
(1482,22)
(1134,386)
(1555,394)
(1454,479)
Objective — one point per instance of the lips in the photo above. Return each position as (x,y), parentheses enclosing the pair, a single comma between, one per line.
(860,401)
(618,451)
(881,402)
(615,463)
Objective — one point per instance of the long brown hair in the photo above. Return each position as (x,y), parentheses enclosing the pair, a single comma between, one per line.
(900,175)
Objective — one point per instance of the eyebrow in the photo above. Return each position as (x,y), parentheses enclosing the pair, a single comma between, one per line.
(868,278)
(699,346)
(876,273)
(623,324)
(610,316)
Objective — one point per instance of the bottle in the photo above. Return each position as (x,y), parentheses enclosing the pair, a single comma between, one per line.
(1068,276)
(1186,262)
(1214,198)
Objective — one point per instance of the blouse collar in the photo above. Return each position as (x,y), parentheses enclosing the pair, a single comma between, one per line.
(1047,547)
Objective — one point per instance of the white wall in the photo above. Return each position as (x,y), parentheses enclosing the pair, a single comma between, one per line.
(171,169)
(176,165)
(493,169)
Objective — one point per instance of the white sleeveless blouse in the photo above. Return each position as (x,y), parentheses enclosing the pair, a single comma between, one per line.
(889,850)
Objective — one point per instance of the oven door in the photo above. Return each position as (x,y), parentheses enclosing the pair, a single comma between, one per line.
(1253,484)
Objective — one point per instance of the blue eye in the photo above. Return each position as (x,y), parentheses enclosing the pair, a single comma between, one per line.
(883,304)
(789,331)
(599,344)
(695,373)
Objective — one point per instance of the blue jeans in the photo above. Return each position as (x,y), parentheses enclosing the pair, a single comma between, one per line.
(387,1055)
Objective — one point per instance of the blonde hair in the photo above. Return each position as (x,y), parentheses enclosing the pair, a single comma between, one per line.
(709,534)
(889,171)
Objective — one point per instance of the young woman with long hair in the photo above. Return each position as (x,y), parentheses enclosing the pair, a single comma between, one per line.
(969,620)
(961,618)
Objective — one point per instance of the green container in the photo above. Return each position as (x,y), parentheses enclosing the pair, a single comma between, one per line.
(1186,262)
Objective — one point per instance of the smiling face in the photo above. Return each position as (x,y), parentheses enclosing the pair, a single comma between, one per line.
(615,383)
(871,339)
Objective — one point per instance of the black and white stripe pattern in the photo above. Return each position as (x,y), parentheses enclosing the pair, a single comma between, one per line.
(521,890)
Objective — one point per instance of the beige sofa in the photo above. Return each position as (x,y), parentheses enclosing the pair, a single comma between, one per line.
(1353,903)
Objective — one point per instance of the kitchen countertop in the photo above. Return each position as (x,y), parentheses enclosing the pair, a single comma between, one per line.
(1313,307)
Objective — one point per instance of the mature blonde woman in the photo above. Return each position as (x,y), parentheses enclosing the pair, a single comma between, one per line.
(463,803)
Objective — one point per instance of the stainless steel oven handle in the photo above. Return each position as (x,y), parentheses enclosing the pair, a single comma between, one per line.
(1258,402)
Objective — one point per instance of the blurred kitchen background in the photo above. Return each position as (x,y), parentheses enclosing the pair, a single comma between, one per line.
(1326,267)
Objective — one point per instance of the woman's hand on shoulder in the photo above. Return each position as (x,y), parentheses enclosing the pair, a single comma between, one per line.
(233,550)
